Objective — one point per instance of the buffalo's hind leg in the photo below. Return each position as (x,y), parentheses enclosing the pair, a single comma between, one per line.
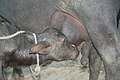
(94,64)
(86,47)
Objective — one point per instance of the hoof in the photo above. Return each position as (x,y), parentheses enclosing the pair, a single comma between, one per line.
(15,77)
(84,61)
(21,78)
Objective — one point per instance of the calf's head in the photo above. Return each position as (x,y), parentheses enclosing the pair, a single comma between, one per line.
(53,45)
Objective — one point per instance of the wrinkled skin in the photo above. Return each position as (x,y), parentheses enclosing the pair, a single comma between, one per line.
(98,17)
(51,43)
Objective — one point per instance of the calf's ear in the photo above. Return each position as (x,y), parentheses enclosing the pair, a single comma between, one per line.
(42,48)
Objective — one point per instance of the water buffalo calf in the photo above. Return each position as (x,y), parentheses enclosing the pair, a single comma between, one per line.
(52,45)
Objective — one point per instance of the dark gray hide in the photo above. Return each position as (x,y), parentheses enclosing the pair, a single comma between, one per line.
(98,17)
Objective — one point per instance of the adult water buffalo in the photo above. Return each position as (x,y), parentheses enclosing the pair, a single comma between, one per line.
(52,45)
(98,17)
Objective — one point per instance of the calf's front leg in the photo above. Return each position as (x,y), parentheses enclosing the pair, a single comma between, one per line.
(2,71)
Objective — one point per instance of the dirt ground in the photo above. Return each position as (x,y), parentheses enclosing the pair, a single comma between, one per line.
(65,70)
